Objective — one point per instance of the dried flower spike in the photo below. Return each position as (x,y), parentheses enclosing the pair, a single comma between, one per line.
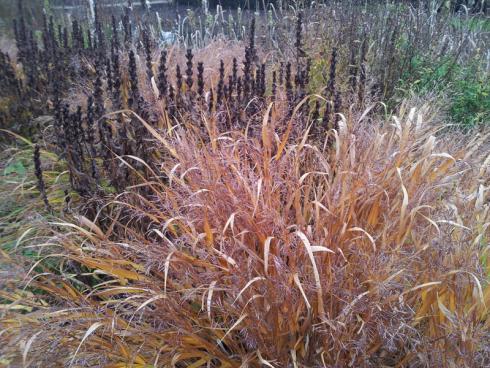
(41,186)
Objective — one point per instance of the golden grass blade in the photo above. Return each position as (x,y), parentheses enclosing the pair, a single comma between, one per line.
(255,279)
(319,248)
(235,325)
(403,208)
(210,298)
(267,246)
(263,361)
(425,285)
(93,227)
(316,274)
(373,243)
(149,301)
(89,332)
(300,287)
(230,222)
(27,347)
(166,268)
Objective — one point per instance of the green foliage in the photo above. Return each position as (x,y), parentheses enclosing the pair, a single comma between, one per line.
(16,167)
(472,23)
(466,87)
(471,101)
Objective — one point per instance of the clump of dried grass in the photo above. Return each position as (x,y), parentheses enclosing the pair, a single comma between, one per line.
(266,250)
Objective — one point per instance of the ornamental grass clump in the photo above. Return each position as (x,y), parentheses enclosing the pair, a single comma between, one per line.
(269,251)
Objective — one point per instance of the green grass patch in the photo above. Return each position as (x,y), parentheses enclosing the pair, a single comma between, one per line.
(466,87)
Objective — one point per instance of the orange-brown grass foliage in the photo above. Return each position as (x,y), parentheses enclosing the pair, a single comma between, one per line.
(267,250)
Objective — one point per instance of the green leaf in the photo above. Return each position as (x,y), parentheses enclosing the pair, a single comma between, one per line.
(15,167)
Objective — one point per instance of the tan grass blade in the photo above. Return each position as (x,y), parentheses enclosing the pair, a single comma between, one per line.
(316,274)
(89,332)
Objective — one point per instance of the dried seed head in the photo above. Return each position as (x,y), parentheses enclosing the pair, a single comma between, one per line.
(148,51)
(333,68)
(274,85)
(178,75)
(337,107)
(221,83)
(115,37)
(298,44)
(235,70)
(211,101)
(133,78)
(40,180)
(162,74)
(252,37)
(109,75)
(239,88)
(200,80)
(188,72)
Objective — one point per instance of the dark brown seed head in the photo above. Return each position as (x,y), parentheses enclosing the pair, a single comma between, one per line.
(188,72)
(162,74)
(39,175)
(200,79)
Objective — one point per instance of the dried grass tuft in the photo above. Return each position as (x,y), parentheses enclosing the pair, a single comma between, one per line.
(267,250)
